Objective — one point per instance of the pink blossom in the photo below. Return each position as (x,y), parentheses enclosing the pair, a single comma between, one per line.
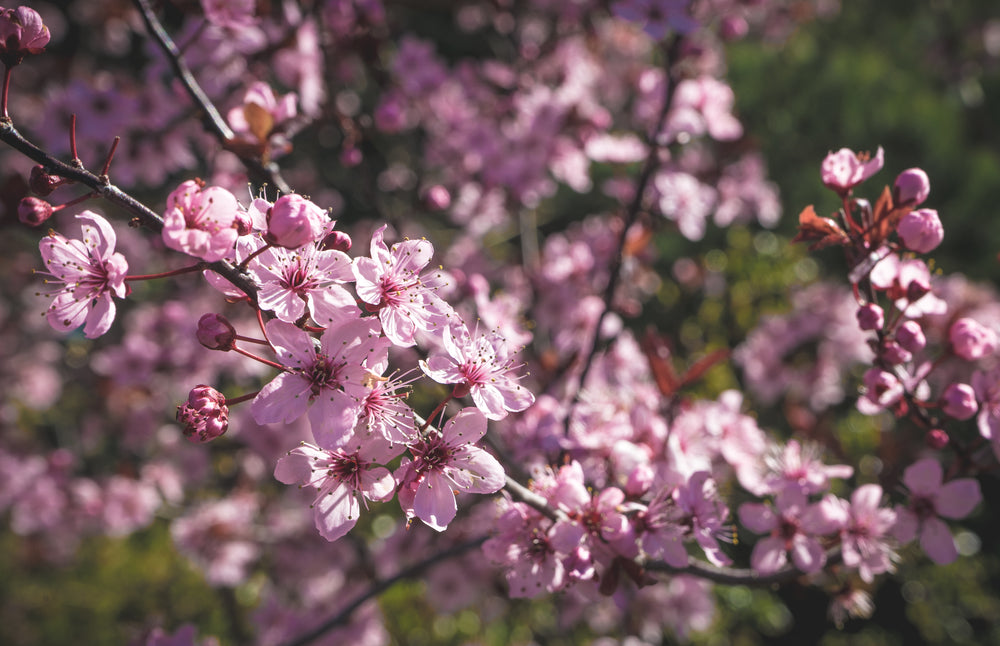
(261,112)
(391,284)
(881,390)
(686,201)
(384,410)
(792,526)
(910,336)
(344,479)
(657,17)
(921,230)
(870,317)
(480,367)
(971,340)
(218,536)
(232,14)
(987,387)
(328,382)
(293,281)
(90,271)
(201,221)
(799,468)
(701,105)
(929,499)
(705,513)
(662,529)
(845,169)
(524,545)
(865,538)
(446,462)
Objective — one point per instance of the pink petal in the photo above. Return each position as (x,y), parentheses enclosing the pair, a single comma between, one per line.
(292,469)
(936,540)
(958,498)
(336,512)
(435,502)
(923,478)
(769,555)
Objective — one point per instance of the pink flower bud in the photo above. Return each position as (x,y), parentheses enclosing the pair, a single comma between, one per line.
(733,28)
(936,439)
(870,317)
(921,230)
(912,187)
(33,211)
(40,182)
(911,336)
(204,415)
(215,332)
(959,401)
(243,222)
(893,354)
(338,241)
(639,481)
(21,33)
(437,198)
(294,221)
(971,340)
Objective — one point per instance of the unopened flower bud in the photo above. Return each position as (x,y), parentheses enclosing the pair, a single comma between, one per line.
(936,439)
(639,481)
(916,290)
(21,32)
(912,187)
(337,240)
(911,336)
(971,339)
(921,230)
(959,401)
(33,211)
(215,332)
(204,415)
(870,317)
(893,354)
(40,182)
(437,198)
(294,221)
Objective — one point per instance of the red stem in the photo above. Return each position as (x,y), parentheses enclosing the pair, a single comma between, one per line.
(247,353)
(6,87)
(167,274)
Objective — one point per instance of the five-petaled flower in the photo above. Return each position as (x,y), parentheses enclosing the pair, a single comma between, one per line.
(89,271)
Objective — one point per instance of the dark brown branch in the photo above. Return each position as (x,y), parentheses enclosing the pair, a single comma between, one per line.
(111,193)
(258,171)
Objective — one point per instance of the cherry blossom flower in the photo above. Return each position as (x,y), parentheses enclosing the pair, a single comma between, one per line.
(201,221)
(524,545)
(446,462)
(90,271)
(261,111)
(929,500)
(798,467)
(384,411)
(792,526)
(344,479)
(971,340)
(328,382)
(864,535)
(986,385)
(481,368)
(845,169)
(390,283)
(705,515)
(294,280)
(882,389)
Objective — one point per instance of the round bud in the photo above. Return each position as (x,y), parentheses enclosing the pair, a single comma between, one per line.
(437,198)
(936,439)
(40,182)
(921,230)
(971,340)
(33,211)
(294,221)
(910,336)
(337,240)
(215,332)
(959,401)
(870,317)
(912,187)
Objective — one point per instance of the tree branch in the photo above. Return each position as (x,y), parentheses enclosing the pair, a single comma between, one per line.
(102,186)
(258,171)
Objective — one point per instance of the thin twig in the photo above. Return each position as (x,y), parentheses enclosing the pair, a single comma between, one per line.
(378,587)
(648,168)
(259,172)
(102,187)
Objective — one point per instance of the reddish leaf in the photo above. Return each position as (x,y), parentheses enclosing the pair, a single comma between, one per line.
(260,121)
(824,231)
(658,355)
(701,366)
